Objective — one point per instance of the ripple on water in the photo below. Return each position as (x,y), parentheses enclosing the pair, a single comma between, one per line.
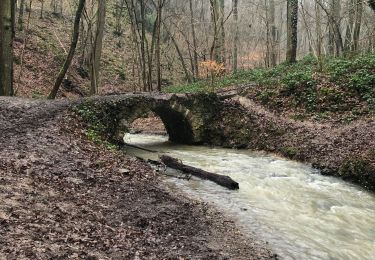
(303,215)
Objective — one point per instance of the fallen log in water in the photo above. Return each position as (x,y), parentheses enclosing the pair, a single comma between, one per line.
(137,147)
(222,180)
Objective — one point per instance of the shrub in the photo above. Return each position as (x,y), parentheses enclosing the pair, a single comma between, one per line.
(331,94)
(338,69)
(298,80)
(213,68)
(362,81)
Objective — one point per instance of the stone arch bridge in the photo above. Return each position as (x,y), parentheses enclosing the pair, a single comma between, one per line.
(186,117)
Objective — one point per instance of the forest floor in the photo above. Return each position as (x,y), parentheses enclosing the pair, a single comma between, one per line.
(64,197)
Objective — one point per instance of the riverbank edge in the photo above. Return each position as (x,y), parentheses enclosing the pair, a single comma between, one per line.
(343,151)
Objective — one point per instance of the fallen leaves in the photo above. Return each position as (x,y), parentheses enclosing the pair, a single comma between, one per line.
(65,197)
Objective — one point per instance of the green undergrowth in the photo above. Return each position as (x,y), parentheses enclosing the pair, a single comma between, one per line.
(95,130)
(206,85)
(344,86)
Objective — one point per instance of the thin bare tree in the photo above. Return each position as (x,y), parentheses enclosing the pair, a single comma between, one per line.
(7,13)
(292,37)
(72,50)
(96,51)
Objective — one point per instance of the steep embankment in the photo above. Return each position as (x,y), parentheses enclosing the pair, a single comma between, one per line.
(64,197)
(40,52)
(347,151)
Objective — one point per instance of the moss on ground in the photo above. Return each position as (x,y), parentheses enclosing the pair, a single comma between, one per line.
(95,130)
(358,170)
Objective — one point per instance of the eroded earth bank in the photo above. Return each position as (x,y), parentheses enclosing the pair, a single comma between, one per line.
(346,151)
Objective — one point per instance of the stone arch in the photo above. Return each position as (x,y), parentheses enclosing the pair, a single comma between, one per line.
(188,119)
(175,117)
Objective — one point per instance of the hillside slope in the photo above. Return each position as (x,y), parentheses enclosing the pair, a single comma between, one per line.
(41,50)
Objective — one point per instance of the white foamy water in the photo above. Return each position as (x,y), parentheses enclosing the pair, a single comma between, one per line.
(302,214)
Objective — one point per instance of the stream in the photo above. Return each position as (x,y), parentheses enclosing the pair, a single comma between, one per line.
(300,213)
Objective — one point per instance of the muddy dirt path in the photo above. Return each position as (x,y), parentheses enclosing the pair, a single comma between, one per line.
(63,197)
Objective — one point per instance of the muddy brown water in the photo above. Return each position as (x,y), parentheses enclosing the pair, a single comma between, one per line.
(300,213)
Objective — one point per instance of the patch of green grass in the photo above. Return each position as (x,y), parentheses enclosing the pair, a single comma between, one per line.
(205,85)
(289,152)
(94,136)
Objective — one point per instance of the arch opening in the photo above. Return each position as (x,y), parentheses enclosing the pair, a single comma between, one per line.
(150,124)
(158,119)
(177,125)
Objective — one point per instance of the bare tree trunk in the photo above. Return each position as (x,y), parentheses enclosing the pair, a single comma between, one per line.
(271,34)
(13,15)
(61,7)
(357,24)
(88,17)
(130,6)
(215,53)
(267,55)
(236,36)
(222,31)
(222,180)
(292,37)
(192,22)
(158,61)
(319,36)
(151,53)
(7,13)
(97,48)
(338,39)
(41,9)
(334,23)
(72,49)
(53,5)
(187,75)
(143,44)
(26,38)
(309,36)
(274,33)
(349,27)
(20,15)
(335,27)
